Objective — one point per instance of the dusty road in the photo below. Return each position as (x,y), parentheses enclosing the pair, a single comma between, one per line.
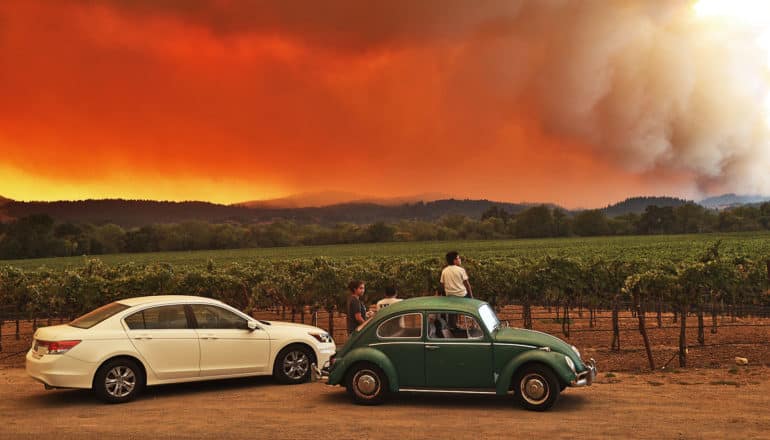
(704,403)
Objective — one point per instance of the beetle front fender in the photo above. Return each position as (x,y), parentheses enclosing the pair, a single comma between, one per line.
(371,355)
(553,360)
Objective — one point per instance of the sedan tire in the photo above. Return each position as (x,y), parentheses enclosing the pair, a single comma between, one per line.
(536,387)
(118,381)
(293,365)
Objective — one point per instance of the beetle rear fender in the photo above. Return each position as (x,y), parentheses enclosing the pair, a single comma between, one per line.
(554,360)
(368,354)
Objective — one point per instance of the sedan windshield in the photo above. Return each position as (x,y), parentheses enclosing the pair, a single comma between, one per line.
(96,316)
(489,318)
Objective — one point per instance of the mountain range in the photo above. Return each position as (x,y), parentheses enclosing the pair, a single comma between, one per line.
(309,208)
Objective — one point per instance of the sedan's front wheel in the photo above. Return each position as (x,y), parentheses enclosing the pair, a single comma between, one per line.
(292,365)
(118,381)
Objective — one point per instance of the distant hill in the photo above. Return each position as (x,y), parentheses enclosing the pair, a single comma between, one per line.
(3,216)
(730,200)
(130,213)
(637,205)
(329,198)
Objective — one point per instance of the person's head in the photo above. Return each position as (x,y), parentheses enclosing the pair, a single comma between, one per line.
(453,258)
(390,291)
(357,287)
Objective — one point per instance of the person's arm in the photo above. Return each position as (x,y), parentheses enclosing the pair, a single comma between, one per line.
(359,318)
(468,288)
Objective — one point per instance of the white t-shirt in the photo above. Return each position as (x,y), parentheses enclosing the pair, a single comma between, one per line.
(452,278)
(386,302)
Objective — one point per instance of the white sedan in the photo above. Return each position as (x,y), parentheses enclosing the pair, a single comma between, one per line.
(119,348)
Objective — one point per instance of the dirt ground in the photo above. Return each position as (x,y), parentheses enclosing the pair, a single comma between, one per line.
(696,403)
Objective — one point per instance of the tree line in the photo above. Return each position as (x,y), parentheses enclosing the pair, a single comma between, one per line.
(712,284)
(39,235)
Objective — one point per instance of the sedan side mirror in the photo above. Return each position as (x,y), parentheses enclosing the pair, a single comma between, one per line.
(252,325)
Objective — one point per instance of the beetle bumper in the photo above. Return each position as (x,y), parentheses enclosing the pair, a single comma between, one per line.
(320,373)
(585,378)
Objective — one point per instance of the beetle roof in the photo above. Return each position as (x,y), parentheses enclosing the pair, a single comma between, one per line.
(440,303)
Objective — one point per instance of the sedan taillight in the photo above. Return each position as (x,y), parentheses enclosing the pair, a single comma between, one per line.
(57,347)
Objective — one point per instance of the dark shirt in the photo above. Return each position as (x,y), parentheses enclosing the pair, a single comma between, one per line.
(354,306)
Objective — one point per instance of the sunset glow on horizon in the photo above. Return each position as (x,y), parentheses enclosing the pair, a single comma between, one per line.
(527,101)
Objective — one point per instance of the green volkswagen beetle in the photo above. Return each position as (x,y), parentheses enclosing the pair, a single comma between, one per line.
(454,345)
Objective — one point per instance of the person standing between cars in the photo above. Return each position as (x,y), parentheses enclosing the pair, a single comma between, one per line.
(455,282)
(356,307)
(390,298)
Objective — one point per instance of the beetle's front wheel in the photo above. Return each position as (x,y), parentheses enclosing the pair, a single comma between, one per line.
(536,387)
(367,384)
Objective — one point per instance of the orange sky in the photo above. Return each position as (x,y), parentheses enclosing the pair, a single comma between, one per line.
(230,101)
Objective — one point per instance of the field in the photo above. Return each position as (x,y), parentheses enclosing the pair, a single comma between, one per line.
(673,247)
(693,404)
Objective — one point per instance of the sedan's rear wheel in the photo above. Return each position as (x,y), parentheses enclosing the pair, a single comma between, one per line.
(367,384)
(292,365)
(118,381)
(536,387)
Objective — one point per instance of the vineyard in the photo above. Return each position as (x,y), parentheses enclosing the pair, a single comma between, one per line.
(634,302)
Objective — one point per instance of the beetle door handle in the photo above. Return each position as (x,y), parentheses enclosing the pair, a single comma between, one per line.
(431,347)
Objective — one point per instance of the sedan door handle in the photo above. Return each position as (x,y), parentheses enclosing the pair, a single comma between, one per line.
(212,337)
(142,337)
(432,347)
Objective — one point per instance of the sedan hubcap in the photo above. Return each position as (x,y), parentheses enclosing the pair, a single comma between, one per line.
(366,382)
(296,364)
(534,389)
(120,381)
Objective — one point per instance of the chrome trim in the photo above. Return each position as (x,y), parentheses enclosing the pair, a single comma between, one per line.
(317,374)
(433,342)
(515,345)
(396,343)
(586,378)
(420,390)
(482,344)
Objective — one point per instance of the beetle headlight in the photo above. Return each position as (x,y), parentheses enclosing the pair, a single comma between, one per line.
(576,352)
(570,364)
(321,336)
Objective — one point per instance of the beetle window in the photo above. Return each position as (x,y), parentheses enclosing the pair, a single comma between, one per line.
(453,326)
(403,326)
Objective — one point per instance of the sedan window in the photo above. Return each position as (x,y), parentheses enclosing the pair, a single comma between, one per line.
(211,317)
(163,317)
(403,326)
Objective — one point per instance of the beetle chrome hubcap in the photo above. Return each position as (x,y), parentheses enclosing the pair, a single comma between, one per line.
(120,381)
(534,389)
(366,382)
(295,364)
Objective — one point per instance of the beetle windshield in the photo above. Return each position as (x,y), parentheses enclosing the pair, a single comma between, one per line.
(489,318)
